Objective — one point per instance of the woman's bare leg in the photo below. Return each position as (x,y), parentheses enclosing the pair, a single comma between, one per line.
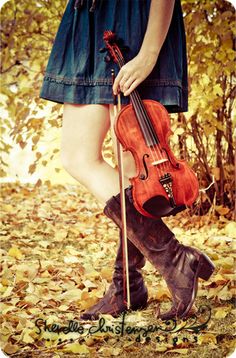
(83,131)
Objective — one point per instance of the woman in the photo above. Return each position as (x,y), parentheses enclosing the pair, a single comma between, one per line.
(78,76)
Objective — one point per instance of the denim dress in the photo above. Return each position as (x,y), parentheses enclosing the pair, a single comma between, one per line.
(77,73)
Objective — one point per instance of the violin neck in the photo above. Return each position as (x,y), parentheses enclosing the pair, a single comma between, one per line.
(143,119)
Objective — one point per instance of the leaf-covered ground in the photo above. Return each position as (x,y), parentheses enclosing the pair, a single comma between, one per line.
(57,254)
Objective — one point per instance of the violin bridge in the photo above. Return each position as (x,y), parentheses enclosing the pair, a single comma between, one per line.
(157,162)
(166,182)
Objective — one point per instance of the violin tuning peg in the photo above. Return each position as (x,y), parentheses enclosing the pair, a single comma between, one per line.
(102,49)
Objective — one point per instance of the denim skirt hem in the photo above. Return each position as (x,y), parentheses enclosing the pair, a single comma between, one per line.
(174,98)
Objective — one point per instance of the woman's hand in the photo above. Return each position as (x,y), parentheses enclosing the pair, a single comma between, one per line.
(133,73)
(136,70)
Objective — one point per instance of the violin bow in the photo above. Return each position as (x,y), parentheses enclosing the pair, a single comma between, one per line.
(126,288)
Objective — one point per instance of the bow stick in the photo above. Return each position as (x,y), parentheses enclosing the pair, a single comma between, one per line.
(117,108)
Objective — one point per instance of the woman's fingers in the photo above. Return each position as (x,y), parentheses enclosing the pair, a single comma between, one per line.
(126,83)
(132,74)
(116,85)
(124,78)
(132,87)
(123,82)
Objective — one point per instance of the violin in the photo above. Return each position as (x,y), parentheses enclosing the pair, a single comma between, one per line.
(163,185)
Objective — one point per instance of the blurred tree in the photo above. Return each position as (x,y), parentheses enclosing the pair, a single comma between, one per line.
(28,29)
(210,31)
(204,135)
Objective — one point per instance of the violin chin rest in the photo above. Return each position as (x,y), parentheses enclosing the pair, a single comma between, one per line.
(159,206)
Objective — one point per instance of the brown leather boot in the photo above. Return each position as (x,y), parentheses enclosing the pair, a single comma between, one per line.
(113,301)
(180,265)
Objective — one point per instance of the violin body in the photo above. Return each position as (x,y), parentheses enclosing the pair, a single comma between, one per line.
(163,185)
(150,197)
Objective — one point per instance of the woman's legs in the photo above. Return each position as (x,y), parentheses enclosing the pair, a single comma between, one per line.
(83,131)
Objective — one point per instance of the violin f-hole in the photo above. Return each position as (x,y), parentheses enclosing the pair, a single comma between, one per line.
(143,176)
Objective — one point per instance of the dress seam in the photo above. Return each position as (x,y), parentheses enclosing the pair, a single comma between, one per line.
(105,82)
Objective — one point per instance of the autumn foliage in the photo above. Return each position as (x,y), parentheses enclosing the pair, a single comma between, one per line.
(58,248)
(203,135)
(58,251)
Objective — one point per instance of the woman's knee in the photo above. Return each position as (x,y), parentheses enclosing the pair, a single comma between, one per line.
(76,164)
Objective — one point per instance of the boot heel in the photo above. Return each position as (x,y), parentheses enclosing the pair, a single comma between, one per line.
(205,267)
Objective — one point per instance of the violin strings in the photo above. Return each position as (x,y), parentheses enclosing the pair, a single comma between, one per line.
(142,106)
(152,149)
(141,110)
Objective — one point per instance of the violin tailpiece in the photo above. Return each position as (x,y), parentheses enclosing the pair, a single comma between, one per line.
(166,182)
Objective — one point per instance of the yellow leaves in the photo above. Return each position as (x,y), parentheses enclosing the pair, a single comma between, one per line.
(205,80)
(226,262)
(32,299)
(61,234)
(7,207)
(161,348)
(35,139)
(10,348)
(221,209)
(32,168)
(73,294)
(89,284)
(208,338)
(67,267)
(217,90)
(109,351)
(63,308)
(219,279)
(106,273)
(53,122)
(89,302)
(91,273)
(221,312)
(7,292)
(26,270)
(225,294)
(162,293)
(216,172)
(4,282)
(71,259)
(230,229)
(222,293)
(76,348)
(27,335)
(15,252)
(41,280)
(209,129)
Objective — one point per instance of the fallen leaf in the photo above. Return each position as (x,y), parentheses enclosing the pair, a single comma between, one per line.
(76,348)
(10,348)
(207,338)
(15,252)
